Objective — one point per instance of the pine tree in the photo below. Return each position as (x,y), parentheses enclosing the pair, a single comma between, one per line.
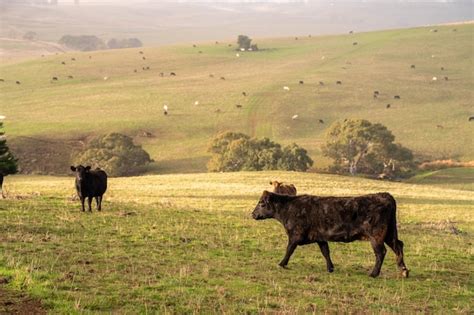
(8,163)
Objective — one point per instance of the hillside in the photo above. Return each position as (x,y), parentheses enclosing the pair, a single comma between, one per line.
(105,94)
(187,243)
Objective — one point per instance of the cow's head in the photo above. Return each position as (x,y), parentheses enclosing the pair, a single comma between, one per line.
(264,208)
(275,184)
(80,171)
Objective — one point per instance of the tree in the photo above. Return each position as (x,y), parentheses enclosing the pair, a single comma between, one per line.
(244,42)
(30,35)
(83,42)
(358,146)
(116,154)
(295,158)
(233,152)
(8,163)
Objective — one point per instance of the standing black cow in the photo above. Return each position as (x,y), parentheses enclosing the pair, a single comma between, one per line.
(311,219)
(1,185)
(90,184)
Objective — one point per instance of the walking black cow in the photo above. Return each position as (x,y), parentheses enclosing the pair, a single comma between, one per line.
(90,184)
(311,219)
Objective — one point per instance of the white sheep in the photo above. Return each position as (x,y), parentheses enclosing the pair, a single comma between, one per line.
(286,88)
(196,103)
(237,55)
(294,117)
(434,79)
(106,78)
(2,117)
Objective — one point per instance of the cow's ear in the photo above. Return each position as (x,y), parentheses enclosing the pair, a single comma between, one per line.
(266,195)
(73,168)
(88,168)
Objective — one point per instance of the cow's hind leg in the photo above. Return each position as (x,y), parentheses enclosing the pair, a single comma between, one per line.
(380,251)
(289,251)
(397,247)
(324,247)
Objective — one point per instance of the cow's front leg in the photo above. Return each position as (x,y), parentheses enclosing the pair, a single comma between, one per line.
(289,251)
(324,247)
(89,202)
(82,203)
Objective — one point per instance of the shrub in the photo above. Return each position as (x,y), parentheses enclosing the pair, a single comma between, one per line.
(233,152)
(83,42)
(8,163)
(116,154)
(124,43)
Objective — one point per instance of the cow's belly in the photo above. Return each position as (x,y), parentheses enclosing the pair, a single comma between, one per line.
(340,233)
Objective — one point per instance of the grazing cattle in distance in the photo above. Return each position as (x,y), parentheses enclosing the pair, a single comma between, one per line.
(442,68)
(211,75)
(388,106)
(339,82)
(200,51)
(90,184)
(321,83)
(376,92)
(286,88)
(351,32)
(439,127)
(355,43)
(244,93)
(162,74)
(73,59)
(55,78)
(230,45)
(301,82)
(18,82)
(90,57)
(172,74)
(223,78)
(2,80)
(217,111)
(397,97)
(312,219)
(446,78)
(294,117)
(144,58)
(238,105)
(375,96)
(165,110)
(135,70)
(140,52)
(63,63)
(413,66)
(283,189)
(70,77)
(148,68)
(321,121)
(194,45)
(296,38)
(471,118)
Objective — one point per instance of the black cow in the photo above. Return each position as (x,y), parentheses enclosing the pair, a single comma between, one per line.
(90,184)
(1,185)
(311,219)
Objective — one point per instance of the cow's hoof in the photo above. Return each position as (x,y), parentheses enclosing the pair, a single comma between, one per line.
(405,273)
(283,266)
(331,269)
(374,275)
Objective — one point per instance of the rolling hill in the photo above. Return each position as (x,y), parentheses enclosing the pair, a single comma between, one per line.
(46,119)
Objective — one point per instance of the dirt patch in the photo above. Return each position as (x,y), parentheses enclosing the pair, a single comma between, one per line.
(13,302)
(44,156)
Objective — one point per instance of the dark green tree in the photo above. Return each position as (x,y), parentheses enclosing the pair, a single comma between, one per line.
(116,154)
(8,163)
(233,152)
(295,158)
(244,42)
(358,146)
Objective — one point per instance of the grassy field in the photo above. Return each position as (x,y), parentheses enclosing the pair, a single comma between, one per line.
(454,178)
(187,243)
(431,117)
